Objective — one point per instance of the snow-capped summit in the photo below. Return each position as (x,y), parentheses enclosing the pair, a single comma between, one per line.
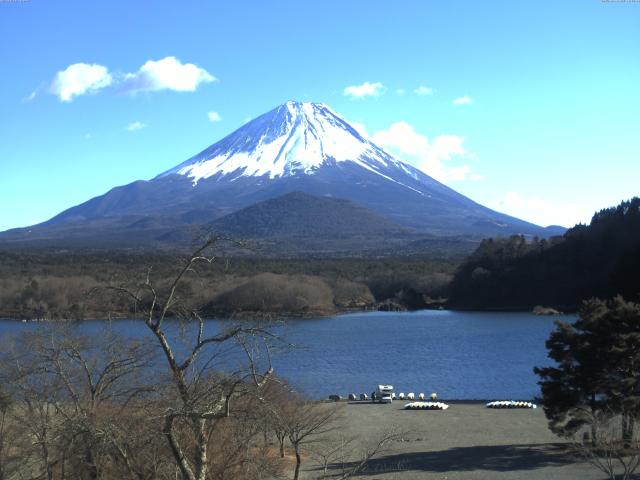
(296,147)
(294,138)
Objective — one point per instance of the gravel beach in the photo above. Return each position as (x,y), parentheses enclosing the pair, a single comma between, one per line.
(466,442)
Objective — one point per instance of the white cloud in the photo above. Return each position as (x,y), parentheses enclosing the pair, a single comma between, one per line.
(430,156)
(365,90)
(422,90)
(166,74)
(400,91)
(541,211)
(132,127)
(462,100)
(78,79)
(214,116)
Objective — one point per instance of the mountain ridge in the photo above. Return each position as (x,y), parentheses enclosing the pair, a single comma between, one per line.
(296,147)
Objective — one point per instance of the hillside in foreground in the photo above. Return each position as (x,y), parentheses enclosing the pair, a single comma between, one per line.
(601,259)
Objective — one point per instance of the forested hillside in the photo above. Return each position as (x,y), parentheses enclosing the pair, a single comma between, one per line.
(597,260)
(56,284)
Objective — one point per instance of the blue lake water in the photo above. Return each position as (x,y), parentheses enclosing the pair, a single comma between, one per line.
(459,355)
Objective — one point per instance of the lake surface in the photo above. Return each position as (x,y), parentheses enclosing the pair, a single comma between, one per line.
(459,355)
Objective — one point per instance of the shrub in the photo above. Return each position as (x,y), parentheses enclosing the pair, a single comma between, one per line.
(269,292)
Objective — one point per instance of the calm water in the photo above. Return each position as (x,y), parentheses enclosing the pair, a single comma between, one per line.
(460,355)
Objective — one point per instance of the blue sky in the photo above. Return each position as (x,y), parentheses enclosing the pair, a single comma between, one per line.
(530,108)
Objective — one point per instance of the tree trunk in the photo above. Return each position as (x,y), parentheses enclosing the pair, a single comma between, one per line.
(92,468)
(298,463)
(176,450)
(47,463)
(2,424)
(201,448)
(63,462)
(594,427)
(281,440)
(628,424)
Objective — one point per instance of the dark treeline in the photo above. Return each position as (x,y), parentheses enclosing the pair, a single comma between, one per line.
(56,284)
(598,260)
(515,273)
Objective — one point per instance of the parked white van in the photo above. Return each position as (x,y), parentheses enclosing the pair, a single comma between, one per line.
(384,394)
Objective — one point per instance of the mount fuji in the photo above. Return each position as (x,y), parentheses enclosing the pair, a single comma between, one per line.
(296,147)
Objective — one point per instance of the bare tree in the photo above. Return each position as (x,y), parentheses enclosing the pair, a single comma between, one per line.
(8,437)
(35,398)
(201,393)
(369,452)
(5,403)
(349,457)
(332,451)
(72,396)
(606,450)
(237,452)
(275,395)
(306,423)
(104,407)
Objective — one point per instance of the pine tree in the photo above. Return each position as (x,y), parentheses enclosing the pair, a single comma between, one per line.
(597,368)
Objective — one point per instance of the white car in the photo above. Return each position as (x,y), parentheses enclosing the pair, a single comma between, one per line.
(386,398)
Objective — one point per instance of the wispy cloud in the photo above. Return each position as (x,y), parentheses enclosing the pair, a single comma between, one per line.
(400,91)
(365,90)
(432,156)
(135,126)
(31,96)
(462,100)
(214,116)
(423,90)
(168,73)
(78,79)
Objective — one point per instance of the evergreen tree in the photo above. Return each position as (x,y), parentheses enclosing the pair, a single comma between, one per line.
(597,368)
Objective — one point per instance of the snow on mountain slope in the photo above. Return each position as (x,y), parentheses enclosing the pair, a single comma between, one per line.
(295,138)
(296,147)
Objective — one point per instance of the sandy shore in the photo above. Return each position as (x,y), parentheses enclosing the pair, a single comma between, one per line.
(465,442)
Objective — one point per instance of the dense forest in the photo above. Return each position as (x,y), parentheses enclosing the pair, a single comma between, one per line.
(57,284)
(514,273)
(597,260)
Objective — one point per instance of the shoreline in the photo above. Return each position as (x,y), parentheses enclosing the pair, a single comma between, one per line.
(461,401)
(310,315)
(349,369)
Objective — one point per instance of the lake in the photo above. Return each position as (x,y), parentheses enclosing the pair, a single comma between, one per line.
(459,355)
